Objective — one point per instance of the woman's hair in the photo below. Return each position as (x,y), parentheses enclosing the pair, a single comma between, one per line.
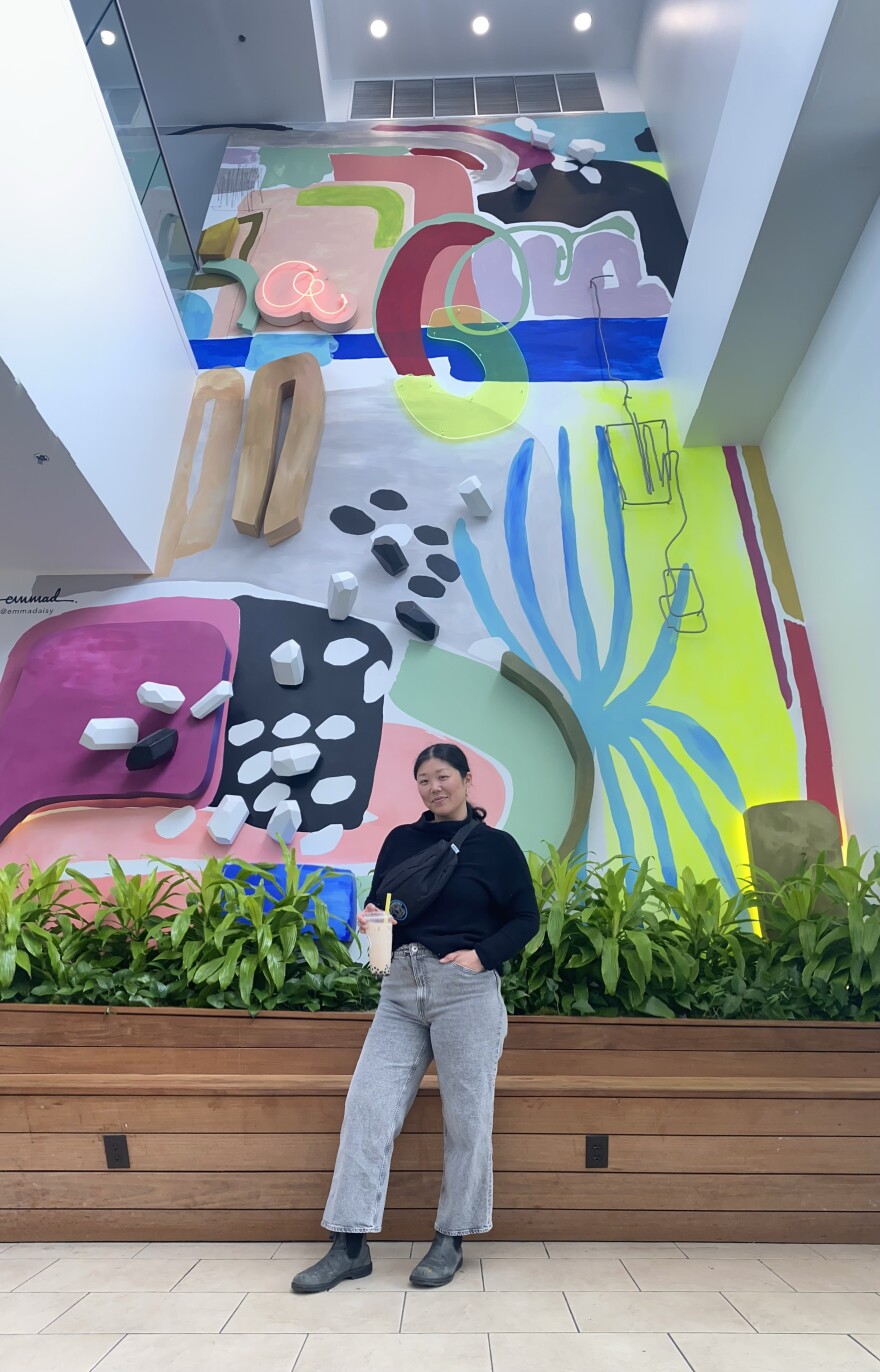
(451,753)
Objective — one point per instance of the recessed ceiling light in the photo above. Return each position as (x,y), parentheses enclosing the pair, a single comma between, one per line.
(108,37)
(480,25)
(583,21)
(378,28)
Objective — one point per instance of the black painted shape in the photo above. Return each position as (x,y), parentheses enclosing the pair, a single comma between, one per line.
(150,751)
(417,620)
(388,500)
(389,555)
(430,534)
(645,142)
(443,566)
(350,520)
(569,198)
(326,690)
(427,586)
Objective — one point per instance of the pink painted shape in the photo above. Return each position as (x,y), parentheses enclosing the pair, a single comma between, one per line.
(190,640)
(442,187)
(129,834)
(298,292)
(529,156)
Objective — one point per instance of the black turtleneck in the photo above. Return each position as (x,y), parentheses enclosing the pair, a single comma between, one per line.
(487,905)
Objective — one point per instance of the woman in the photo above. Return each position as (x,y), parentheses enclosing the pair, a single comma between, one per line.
(441,1000)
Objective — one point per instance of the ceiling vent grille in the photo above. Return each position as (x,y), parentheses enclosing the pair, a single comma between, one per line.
(454,95)
(450,97)
(579,91)
(413,100)
(537,95)
(372,99)
(496,95)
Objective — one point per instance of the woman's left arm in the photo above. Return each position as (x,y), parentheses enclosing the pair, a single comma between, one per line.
(522,921)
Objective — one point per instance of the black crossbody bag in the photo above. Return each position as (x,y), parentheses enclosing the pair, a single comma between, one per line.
(416,883)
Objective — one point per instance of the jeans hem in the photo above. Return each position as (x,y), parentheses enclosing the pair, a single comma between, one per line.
(462,1233)
(349,1229)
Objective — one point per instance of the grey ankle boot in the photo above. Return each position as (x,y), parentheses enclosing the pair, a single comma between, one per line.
(334,1267)
(440,1263)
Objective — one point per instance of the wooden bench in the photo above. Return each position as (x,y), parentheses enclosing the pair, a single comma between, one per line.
(716,1132)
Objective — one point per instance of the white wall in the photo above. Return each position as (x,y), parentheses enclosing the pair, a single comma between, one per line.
(686,55)
(822,457)
(88,325)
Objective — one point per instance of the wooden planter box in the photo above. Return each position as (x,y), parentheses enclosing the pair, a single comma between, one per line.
(716,1131)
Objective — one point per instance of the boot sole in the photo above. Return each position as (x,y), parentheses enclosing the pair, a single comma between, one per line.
(444,1281)
(328,1286)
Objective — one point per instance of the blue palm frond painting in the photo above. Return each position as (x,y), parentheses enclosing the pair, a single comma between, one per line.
(625,726)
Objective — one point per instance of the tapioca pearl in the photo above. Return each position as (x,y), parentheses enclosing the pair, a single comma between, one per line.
(376,681)
(388,500)
(350,520)
(337,726)
(240,734)
(292,726)
(254,768)
(427,586)
(442,566)
(343,651)
(321,842)
(430,534)
(271,796)
(333,790)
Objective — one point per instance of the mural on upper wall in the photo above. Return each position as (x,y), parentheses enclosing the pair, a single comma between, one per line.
(431,465)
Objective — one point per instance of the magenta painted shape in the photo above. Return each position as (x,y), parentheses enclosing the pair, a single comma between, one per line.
(759,571)
(74,671)
(528,154)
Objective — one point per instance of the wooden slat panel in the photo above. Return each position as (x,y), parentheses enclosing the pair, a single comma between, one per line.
(336,1061)
(308,1190)
(702,1226)
(424,1152)
(214,1084)
(82,1026)
(526,1114)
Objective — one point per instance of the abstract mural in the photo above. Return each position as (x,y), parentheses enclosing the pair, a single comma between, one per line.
(386,314)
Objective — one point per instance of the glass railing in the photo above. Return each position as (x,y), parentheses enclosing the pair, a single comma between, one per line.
(108,45)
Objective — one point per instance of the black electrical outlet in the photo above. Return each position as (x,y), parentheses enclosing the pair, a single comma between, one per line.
(597,1150)
(116,1151)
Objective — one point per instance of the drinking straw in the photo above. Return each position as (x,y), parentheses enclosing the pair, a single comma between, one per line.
(388,903)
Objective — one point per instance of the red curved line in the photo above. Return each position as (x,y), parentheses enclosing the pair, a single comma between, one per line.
(399,307)
(466,159)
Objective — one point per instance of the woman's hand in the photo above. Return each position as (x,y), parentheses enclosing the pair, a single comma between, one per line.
(466,958)
(370,909)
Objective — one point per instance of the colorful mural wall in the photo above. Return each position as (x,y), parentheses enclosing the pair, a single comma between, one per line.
(429,359)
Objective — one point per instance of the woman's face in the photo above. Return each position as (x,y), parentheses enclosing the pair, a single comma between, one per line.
(443,790)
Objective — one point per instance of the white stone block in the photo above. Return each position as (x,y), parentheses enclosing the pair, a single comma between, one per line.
(168,699)
(212,700)
(101,735)
(583,150)
(296,760)
(473,495)
(228,819)
(287,664)
(542,138)
(341,595)
(284,822)
(525,179)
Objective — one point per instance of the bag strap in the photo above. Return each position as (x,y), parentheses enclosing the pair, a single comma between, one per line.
(458,838)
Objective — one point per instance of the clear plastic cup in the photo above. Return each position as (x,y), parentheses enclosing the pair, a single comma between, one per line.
(379,930)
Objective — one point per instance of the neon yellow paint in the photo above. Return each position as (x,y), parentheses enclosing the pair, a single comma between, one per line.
(657,167)
(725,679)
(495,405)
(387,203)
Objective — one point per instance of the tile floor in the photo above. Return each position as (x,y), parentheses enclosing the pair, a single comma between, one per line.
(516,1307)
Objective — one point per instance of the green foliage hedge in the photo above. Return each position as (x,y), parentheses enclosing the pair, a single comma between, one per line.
(613,941)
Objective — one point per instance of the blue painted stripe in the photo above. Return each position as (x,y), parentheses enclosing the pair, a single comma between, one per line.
(554,350)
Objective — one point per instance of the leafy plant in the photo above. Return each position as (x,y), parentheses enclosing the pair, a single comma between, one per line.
(30,905)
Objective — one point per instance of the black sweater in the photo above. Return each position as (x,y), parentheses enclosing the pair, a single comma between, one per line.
(487,905)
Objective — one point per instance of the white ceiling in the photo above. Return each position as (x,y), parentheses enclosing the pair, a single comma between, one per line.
(197,72)
(434,37)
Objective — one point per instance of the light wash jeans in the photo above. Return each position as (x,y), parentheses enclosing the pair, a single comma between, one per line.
(428,1009)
